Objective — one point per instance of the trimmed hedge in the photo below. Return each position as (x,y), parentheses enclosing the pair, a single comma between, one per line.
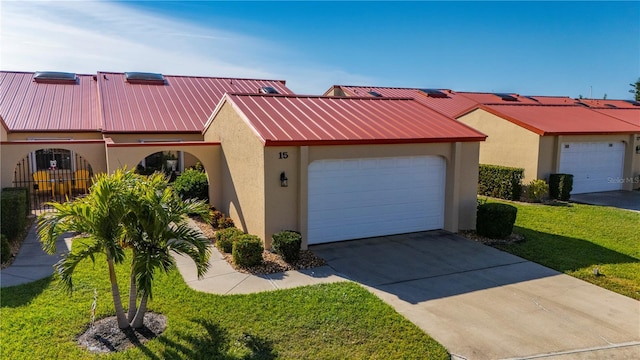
(27,196)
(247,250)
(500,181)
(495,220)
(192,184)
(226,237)
(13,216)
(287,244)
(560,186)
(5,249)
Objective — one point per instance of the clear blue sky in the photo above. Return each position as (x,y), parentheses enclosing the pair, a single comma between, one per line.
(532,48)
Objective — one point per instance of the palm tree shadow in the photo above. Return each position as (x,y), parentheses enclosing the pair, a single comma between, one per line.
(213,343)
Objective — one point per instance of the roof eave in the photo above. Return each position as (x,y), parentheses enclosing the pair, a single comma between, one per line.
(269,142)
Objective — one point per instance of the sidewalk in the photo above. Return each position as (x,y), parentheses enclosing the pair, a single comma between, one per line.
(32,264)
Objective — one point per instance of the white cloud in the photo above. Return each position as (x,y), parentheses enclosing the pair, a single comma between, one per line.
(86,37)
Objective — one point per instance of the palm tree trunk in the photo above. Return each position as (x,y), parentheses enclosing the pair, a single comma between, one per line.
(138,321)
(133,296)
(115,292)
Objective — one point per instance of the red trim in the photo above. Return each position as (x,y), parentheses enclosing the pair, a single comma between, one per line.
(161,143)
(370,141)
(26,142)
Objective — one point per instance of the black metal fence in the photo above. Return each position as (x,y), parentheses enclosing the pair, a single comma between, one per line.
(53,175)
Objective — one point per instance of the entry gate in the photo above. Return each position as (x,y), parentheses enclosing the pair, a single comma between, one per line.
(51,175)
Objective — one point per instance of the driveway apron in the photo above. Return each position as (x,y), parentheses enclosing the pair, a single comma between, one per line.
(482,303)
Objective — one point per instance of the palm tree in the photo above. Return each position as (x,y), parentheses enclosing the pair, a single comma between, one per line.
(156,226)
(99,216)
(126,210)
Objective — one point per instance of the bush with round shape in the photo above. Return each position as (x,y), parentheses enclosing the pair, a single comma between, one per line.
(495,220)
(225,222)
(247,251)
(287,244)
(537,190)
(226,237)
(192,184)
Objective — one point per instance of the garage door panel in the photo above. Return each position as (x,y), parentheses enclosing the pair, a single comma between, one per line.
(593,165)
(358,198)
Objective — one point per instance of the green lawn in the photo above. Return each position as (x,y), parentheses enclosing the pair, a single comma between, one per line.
(576,238)
(333,321)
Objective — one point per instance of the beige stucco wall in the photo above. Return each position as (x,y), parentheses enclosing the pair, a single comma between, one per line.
(549,160)
(507,144)
(11,153)
(242,171)
(3,133)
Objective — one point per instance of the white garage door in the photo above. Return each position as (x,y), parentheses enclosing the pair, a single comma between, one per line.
(358,198)
(596,166)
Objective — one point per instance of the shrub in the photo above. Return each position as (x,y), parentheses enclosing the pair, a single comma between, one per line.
(247,250)
(495,220)
(537,189)
(226,237)
(27,197)
(192,184)
(560,186)
(500,181)
(13,217)
(225,223)
(5,249)
(216,216)
(287,244)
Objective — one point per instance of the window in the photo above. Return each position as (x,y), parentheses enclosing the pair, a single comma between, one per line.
(52,159)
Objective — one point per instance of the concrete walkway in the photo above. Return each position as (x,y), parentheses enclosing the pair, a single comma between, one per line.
(32,263)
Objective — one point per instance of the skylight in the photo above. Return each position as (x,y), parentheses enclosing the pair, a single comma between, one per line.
(633,102)
(54,77)
(374,93)
(610,105)
(506,97)
(434,93)
(144,78)
(268,90)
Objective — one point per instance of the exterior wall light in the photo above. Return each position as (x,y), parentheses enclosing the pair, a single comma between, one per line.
(284,182)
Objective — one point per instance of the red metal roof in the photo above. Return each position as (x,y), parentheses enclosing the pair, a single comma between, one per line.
(612,104)
(182,104)
(629,115)
(313,120)
(26,105)
(451,106)
(561,120)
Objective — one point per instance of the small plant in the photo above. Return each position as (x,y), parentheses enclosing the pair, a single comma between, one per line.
(247,251)
(216,216)
(226,237)
(5,249)
(537,190)
(495,220)
(192,184)
(225,223)
(287,244)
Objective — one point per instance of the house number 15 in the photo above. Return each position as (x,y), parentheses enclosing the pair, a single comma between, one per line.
(284,155)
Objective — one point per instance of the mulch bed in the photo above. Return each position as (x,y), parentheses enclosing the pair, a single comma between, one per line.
(512,239)
(271,263)
(104,335)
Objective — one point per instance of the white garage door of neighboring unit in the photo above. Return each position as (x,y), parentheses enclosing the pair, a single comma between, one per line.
(358,198)
(596,166)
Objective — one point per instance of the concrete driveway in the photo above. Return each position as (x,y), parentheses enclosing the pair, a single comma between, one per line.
(482,303)
(629,200)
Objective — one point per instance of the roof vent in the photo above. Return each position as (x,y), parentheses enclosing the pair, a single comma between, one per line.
(610,105)
(532,98)
(633,102)
(375,94)
(506,97)
(434,93)
(54,77)
(144,78)
(267,90)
